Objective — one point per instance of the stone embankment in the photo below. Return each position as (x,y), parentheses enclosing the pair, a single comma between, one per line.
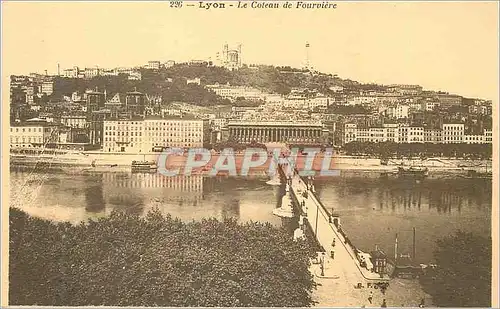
(120,159)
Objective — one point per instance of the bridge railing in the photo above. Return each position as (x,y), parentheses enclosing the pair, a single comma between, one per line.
(351,249)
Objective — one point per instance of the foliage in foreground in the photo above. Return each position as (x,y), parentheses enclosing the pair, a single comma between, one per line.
(156,260)
(463,275)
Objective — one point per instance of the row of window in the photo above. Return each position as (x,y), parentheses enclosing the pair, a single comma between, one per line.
(124,133)
(28,139)
(28,129)
(113,139)
(174,134)
(191,128)
(111,146)
(156,123)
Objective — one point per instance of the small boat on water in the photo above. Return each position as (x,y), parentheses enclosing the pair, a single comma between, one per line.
(484,174)
(472,174)
(413,171)
(144,167)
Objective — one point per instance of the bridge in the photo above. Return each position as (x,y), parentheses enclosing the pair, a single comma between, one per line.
(342,262)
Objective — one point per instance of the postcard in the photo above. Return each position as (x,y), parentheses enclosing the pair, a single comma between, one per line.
(250,153)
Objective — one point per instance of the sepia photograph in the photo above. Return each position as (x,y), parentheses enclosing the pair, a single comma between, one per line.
(250,153)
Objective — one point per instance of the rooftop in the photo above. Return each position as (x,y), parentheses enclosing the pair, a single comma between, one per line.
(275,123)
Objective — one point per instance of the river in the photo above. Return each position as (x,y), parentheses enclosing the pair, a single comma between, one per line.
(372,209)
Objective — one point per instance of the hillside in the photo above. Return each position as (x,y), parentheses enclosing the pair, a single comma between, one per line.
(170,83)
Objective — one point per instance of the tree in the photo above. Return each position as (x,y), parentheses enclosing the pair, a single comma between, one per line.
(156,260)
(463,274)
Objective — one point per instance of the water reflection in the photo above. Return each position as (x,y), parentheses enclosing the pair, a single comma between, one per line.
(373,210)
(94,197)
(193,197)
(442,196)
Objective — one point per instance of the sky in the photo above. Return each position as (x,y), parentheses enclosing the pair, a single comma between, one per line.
(449,46)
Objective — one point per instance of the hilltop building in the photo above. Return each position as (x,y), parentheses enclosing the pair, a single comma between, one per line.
(231,58)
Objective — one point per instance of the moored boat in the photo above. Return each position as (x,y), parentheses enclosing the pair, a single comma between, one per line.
(413,171)
(472,174)
(144,166)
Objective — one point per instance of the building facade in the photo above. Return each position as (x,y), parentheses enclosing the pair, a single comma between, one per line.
(71,73)
(434,136)
(153,65)
(415,134)
(91,72)
(488,136)
(274,131)
(231,58)
(32,135)
(474,139)
(234,92)
(74,121)
(144,135)
(453,133)
(403,133)
(47,88)
(449,100)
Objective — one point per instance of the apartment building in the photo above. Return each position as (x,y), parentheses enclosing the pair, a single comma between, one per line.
(453,133)
(388,132)
(398,112)
(153,65)
(34,135)
(488,136)
(391,132)
(74,121)
(474,139)
(234,92)
(434,136)
(480,109)
(430,105)
(449,100)
(416,134)
(71,73)
(91,72)
(350,132)
(406,89)
(47,88)
(144,135)
(403,133)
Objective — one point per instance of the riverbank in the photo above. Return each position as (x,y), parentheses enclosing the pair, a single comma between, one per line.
(120,162)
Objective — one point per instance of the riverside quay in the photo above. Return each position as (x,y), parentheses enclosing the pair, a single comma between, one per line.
(277,131)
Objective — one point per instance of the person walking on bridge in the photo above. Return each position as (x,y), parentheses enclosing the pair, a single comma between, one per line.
(370,297)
